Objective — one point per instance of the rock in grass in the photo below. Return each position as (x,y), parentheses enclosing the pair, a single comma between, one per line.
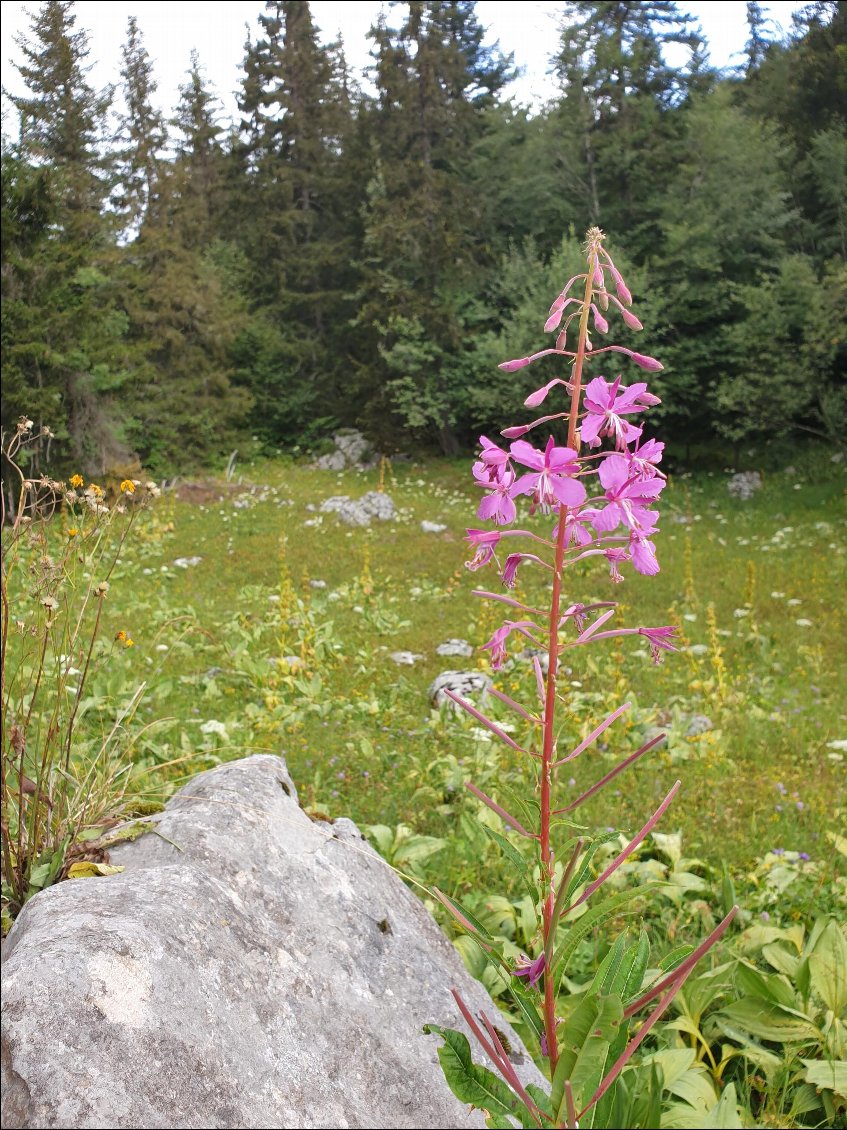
(698,724)
(466,684)
(455,647)
(362,511)
(259,969)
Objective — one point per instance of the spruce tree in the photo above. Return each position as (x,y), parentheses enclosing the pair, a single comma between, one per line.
(141,134)
(424,244)
(67,349)
(296,215)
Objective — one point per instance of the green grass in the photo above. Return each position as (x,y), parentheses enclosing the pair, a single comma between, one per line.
(357,729)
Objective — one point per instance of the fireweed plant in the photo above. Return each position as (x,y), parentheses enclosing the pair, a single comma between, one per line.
(600,487)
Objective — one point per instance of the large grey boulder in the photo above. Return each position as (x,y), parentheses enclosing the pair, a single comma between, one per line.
(249,968)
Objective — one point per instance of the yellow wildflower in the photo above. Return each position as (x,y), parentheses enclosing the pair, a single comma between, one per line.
(77,480)
(72,532)
(127,487)
(120,637)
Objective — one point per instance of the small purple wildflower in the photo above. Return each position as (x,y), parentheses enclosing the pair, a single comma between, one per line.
(532,970)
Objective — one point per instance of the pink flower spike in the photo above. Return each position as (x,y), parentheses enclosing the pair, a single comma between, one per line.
(513,366)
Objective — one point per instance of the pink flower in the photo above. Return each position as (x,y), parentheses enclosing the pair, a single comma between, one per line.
(628,497)
(497,506)
(532,970)
(497,644)
(513,561)
(659,640)
(606,404)
(644,457)
(494,458)
(575,527)
(616,557)
(483,543)
(550,480)
(643,552)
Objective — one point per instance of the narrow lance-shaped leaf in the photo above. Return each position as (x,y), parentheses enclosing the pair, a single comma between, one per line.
(595,733)
(627,851)
(480,717)
(684,968)
(464,917)
(501,812)
(516,706)
(561,895)
(610,776)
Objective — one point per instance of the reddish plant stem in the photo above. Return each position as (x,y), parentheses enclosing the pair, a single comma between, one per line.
(548,748)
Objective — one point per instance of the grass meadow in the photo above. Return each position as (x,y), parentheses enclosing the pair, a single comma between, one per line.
(242,618)
(221,585)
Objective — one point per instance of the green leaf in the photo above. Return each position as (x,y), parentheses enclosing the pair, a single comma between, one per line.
(470,1082)
(585,1039)
(828,967)
(770,1021)
(724,1116)
(589,921)
(674,958)
(526,1006)
(767,987)
(828,1075)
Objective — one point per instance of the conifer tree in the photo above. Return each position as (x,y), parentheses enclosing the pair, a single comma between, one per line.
(141,134)
(298,230)
(422,238)
(68,349)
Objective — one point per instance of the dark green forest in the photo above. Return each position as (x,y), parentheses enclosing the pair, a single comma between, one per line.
(176,288)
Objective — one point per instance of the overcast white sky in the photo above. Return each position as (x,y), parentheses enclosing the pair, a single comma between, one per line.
(218,30)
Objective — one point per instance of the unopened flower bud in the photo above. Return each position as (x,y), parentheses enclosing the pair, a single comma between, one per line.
(600,323)
(631,319)
(620,286)
(513,366)
(515,432)
(648,363)
(553,321)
